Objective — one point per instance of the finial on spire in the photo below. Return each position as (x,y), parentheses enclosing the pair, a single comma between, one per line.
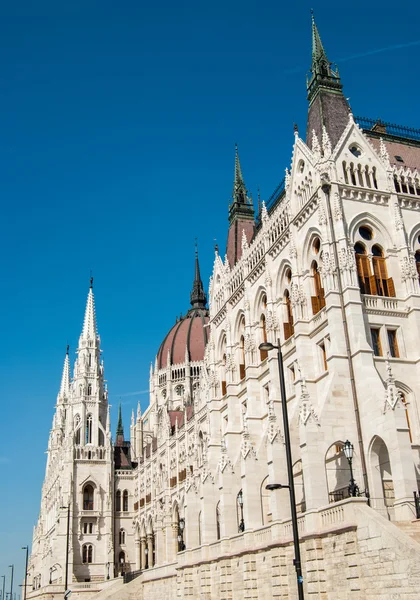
(67,349)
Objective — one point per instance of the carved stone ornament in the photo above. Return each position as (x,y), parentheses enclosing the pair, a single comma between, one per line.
(307,410)
(230,362)
(338,207)
(264,213)
(244,242)
(326,143)
(398,217)
(383,153)
(392,394)
(316,147)
(271,321)
(298,295)
(322,217)
(249,343)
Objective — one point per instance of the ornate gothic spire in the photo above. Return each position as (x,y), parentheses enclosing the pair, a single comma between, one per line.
(241,215)
(120,428)
(89,331)
(198,298)
(65,378)
(327,106)
(239,189)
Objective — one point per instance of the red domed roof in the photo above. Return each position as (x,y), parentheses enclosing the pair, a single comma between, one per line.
(189,334)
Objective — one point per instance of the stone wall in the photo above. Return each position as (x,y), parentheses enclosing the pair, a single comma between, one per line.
(354,553)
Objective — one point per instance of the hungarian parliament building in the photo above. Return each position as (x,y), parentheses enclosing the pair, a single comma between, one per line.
(327,270)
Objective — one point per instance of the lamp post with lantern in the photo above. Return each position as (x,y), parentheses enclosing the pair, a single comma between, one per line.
(348,452)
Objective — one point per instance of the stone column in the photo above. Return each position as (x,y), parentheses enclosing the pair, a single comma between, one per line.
(142,553)
(138,556)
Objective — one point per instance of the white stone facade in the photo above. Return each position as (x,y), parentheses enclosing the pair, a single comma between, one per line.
(347,222)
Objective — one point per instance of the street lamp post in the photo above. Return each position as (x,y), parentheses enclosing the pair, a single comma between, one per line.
(26,569)
(241,527)
(297,561)
(348,451)
(146,552)
(11,581)
(4,583)
(107,570)
(67,549)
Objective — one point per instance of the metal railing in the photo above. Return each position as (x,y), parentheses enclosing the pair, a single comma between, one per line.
(127,577)
(417,504)
(273,200)
(379,126)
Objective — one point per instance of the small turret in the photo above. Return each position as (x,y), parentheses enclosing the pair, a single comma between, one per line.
(119,441)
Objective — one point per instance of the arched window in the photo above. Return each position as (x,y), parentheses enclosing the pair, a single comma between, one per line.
(407,416)
(240,511)
(384,284)
(223,367)
(366,280)
(218,521)
(87,553)
(122,537)
(318,301)
(89,422)
(288,324)
(263,328)
(200,448)
(77,430)
(199,528)
(242,349)
(121,560)
(242,358)
(101,438)
(88,497)
(125,501)
(118,501)
(417,257)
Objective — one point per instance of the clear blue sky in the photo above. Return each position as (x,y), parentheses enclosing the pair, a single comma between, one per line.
(117,131)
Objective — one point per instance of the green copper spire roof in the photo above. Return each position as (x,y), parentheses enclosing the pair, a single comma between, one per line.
(241,206)
(120,428)
(239,189)
(198,298)
(318,52)
(323,74)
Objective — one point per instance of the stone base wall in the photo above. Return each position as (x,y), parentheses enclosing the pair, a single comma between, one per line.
(348,551)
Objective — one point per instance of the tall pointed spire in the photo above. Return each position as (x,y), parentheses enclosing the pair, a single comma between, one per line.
(327,106)
(239,189)
(120,428)
(65,378)
(241,215)
(198,298)
(89,330)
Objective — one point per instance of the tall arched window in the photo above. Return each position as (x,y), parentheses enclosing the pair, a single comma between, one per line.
(88,497)
(87,553)
(384,284)
(121,560)
(199,528)
(89,389)
(417,257)
(240,511)
(118,501)
(122,537)
(223,367)
(242,358)
(366,280)
(318,301)
(77,430)
(125,501)
(263,328)
(101,438)
(407,416)
(288,324)
(218,521)
(89,422)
